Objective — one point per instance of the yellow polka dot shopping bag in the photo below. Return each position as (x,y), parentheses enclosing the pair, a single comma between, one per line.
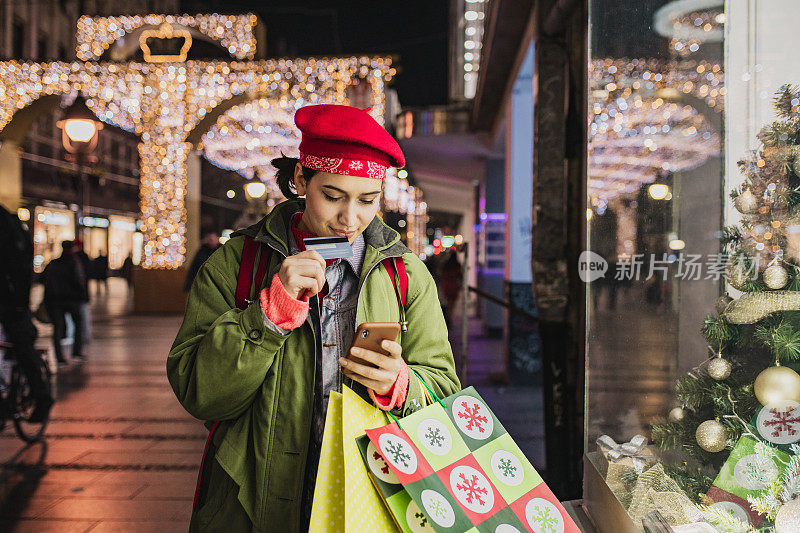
(345,500)
(452,467)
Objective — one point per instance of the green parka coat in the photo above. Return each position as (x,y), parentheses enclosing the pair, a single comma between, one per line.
(226,365)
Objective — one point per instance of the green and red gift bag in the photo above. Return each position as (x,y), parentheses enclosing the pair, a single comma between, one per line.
(460,467)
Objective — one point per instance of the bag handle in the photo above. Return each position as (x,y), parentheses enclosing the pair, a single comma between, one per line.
(427,391)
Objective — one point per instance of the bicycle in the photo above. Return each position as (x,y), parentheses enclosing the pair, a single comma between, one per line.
(16,399)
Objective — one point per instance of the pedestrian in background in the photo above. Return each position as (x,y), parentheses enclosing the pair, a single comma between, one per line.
(84,273)
(65,291)
(209,246)
(127,271)
(451,276)
(100,271)
(16,271)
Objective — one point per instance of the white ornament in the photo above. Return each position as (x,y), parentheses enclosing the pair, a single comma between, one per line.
(543,516)
(472,489)
(378,467)
(398,452)
(755,472)
(437,508)
(473,418)
(507,468)
(788,518)
(779,422)
(434,436)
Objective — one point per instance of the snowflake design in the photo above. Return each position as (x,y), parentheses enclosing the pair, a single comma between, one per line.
(546,521)
(438,509)
(356,165)
(507,468)
(422,518)
(756,473)
(379,457)
(434,437)
(397,453)
(470,486)
(474,419)
(782,421)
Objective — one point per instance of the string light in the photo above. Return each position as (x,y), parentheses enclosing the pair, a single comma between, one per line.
(234,32)
(638,130)
(164,102)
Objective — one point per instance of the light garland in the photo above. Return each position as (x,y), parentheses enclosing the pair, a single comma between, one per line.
(636,132)
(234,32)
(163,103)
(689,23)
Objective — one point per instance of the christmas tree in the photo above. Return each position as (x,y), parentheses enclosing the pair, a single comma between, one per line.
(754,339)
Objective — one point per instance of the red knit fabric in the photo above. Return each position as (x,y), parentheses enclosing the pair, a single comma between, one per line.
(396,396)
(345,140)
(281,308)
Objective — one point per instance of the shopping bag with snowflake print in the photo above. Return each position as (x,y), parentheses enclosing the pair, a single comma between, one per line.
(750,469)
(463,470)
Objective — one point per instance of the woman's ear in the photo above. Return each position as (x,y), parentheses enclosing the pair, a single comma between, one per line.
(300,184)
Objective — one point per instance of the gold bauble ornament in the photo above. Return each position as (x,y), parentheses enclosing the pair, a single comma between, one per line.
(677,414)
(775,276)
(777,384)
(719,368)
(722,303)
(738,274)
(746,202)
(788,518)
(712,436)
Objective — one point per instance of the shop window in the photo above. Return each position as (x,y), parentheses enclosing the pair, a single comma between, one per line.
(693,265)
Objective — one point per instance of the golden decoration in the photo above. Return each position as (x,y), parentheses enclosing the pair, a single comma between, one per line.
(777,384)
(166,31)
(746,202)
(712,436)
(775,276)
(722,303)
(677,414)
(788,518)
(752,307)
(719,368)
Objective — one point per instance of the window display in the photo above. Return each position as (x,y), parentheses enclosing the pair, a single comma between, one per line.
(693,334)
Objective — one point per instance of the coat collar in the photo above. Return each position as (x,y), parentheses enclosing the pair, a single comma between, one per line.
(275,230)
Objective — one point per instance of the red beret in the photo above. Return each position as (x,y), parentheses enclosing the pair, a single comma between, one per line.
(345,140)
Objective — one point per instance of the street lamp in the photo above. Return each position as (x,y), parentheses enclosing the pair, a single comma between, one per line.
(255,189)
(79,127)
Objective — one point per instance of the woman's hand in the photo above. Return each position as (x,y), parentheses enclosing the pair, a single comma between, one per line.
(382,376)
(303,272)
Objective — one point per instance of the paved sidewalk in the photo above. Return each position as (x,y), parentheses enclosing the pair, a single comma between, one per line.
(122,455)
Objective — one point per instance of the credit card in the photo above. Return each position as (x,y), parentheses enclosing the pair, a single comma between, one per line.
(330,247)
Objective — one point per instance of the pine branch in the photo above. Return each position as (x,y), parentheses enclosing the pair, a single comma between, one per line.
(719,332)
(782,338)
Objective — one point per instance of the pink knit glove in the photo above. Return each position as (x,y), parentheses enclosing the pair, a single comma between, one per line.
(396,396)
(279,306)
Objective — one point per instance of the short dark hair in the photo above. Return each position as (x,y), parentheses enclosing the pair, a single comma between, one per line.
(285,174)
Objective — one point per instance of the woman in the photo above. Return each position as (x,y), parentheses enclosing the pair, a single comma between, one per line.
(266,372)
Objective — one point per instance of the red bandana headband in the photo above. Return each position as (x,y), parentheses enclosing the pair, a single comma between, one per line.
(349,167)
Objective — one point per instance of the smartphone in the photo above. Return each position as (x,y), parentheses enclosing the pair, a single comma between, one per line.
(369,336)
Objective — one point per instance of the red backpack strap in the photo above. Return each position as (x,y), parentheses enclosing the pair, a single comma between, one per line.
(260,271)
(403,276)
(396,265)
(245,278)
